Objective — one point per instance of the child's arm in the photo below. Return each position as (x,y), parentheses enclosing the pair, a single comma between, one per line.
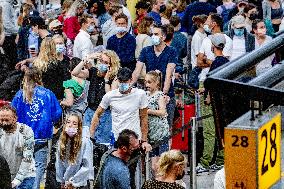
(69,98)
(162,107)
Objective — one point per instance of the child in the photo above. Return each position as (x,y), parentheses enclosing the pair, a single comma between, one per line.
(158,127)
(74,160)
(76,91)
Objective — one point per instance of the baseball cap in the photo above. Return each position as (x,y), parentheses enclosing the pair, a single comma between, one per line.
(238,21)
(218,40)
(55,23)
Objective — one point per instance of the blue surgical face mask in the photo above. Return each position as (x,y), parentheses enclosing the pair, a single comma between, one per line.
(155,40)
(239,32)
(102,67)
(120,29)
(91,29)
(206,28)
(123,87)
(60,48)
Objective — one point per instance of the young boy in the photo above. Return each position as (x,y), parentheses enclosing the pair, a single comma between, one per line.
(218,43)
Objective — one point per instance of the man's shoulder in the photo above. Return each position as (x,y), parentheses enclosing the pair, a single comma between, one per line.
(25,129)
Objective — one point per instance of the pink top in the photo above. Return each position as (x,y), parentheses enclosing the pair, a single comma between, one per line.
(71,27)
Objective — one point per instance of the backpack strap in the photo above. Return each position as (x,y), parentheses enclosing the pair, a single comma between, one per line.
(102,164)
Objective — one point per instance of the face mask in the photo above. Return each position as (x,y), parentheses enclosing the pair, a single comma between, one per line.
(123,87)
(91,29)
(35,34)
(163,8)
(261,31)
(179,177)
(7,127)
(155,40)
(60,48)
(253,16)
(59,31)
(206,28)
(239,32)
(102,67)
(71,132)
(120,29)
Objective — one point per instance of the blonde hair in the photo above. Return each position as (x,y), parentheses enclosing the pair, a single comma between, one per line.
(169,160)
(73,9)
(75,142)
(156,77)
(114,62)
(66,5)
(47,54)
(31,79)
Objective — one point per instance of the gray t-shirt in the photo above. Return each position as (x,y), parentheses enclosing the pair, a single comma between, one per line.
(115,174)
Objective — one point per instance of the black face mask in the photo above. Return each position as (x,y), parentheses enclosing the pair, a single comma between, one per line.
(179,177)
(7,127)
(253,16)
(163,8)
(59,31)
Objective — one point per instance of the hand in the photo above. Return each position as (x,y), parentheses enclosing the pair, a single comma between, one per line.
(146,146)
(177,76)
(20,64)
(179,103)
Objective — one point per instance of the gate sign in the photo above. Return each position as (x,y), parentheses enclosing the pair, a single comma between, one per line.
(252,152)
(269,150)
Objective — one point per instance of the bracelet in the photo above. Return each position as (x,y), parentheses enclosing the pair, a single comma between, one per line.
(107,82)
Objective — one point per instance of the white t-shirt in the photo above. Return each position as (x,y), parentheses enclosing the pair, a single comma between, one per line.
(82,45)
(239,47)
(205,49)
(125,109)
(265,64)
(219,180)
(195,46)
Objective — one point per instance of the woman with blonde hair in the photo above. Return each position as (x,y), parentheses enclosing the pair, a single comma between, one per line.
(171,167)
(38,108)
(65,8)
(53,71)
(102,79)
(71,26)
(74,159)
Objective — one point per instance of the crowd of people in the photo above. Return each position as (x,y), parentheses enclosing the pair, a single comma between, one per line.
(97,77)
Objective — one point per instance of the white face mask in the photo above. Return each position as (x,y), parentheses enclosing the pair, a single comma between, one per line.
(120,29)
(155,40)
(206,28)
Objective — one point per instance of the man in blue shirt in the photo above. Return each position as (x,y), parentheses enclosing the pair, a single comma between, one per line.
(196,8)
(115,172)
(163,58)
(123,43)
(158,6)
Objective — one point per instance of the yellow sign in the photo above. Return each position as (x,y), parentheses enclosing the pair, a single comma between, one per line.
(240,158)
(269,149)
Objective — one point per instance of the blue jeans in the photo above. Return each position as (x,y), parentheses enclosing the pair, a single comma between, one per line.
(88,116)
(27,183)
(40,164)
(171,111)
(103,130)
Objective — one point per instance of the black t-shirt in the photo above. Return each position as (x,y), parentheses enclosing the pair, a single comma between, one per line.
(54,76)
(96,89)
(219,61)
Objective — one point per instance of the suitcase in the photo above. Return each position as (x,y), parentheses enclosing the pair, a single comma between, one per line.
(180,141)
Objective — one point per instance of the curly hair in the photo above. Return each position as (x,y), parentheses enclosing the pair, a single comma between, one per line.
(75,142)
(114,62)
(47,54)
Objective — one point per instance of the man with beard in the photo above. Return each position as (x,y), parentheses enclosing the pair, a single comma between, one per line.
(17,147)
(127,142)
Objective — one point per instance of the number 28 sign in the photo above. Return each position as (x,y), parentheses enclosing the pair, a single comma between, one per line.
(269,150)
